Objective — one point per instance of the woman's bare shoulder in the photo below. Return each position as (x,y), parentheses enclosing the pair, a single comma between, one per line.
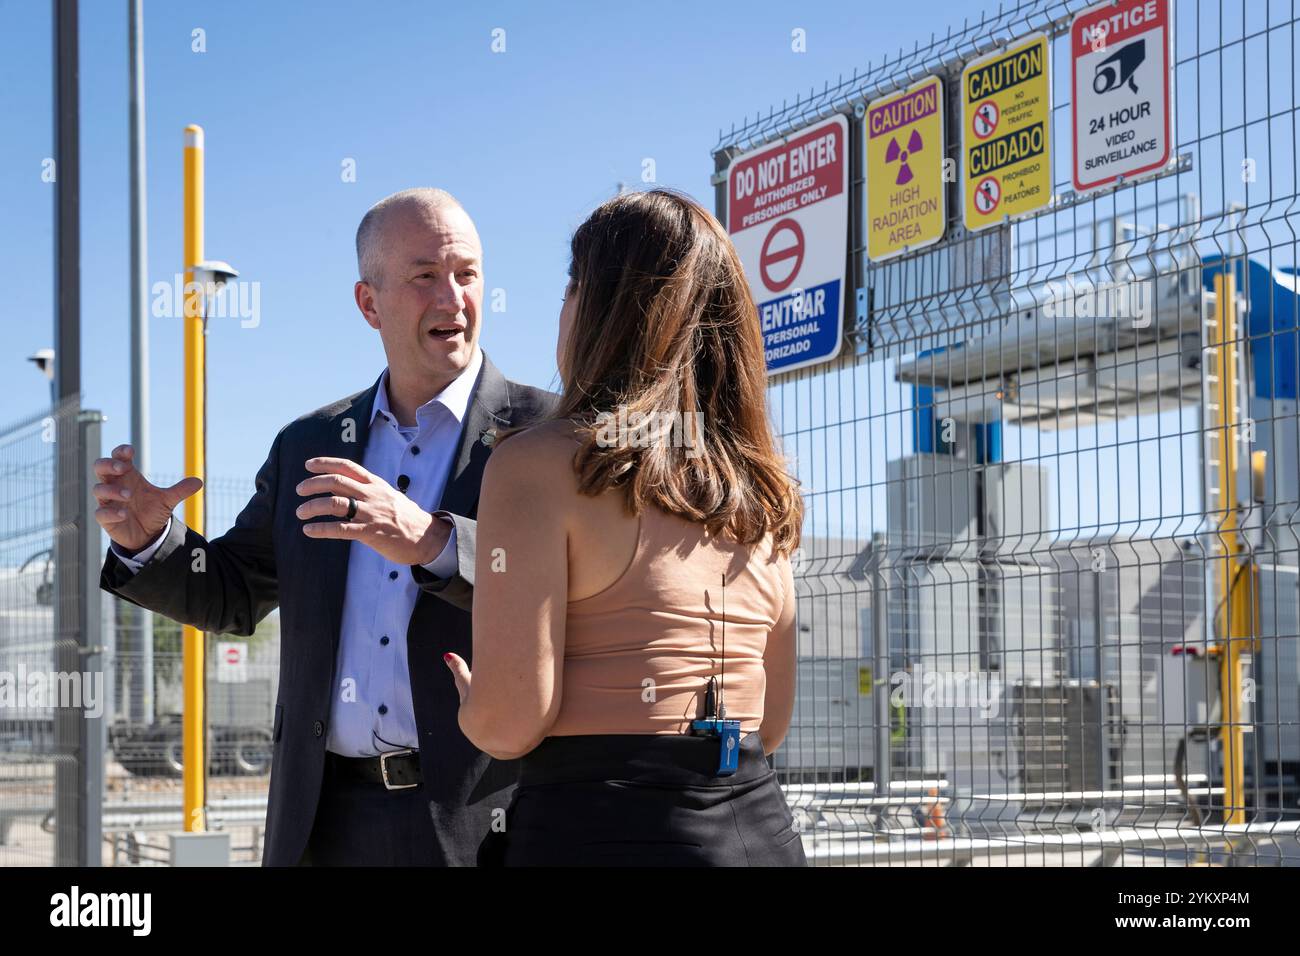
(540,456)
(558,432)
(543,443)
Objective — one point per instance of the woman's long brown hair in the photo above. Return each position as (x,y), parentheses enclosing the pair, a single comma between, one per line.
(666,326)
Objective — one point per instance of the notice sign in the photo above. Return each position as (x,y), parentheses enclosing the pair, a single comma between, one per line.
(1120,81)
(232,662)
(788,214)
(1006,156)
(905,189)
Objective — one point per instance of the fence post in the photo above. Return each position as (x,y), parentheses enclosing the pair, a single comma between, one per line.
(79,661)
(91,649)
(880,653)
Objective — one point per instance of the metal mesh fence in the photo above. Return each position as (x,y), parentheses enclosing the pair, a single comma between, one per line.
(27,639)
(52,693)
(1051,474)
(142,799)
(115,788)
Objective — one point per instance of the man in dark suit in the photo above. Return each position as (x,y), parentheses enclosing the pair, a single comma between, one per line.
(362,531)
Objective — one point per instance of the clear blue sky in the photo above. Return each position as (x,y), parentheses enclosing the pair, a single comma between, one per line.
(529,140)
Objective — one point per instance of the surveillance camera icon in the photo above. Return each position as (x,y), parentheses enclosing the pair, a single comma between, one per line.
(1118,68)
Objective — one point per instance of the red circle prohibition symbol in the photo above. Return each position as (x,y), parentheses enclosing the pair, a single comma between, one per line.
(232,655)
(985,119)
(768,258)
(988,194)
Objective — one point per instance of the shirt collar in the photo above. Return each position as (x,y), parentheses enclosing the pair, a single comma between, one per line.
(455,397)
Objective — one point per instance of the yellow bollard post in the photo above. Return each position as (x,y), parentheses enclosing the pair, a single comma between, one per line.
(1235,584)
(194,717)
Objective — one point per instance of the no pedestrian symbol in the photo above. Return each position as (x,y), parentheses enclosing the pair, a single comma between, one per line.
(988,194)
(986,119)
(783,243)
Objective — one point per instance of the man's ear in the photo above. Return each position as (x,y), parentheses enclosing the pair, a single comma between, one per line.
(364,293)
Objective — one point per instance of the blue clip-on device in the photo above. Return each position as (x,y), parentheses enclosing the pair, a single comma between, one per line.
(715,723)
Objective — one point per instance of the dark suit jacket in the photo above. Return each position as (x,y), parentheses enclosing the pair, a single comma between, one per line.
(265,560)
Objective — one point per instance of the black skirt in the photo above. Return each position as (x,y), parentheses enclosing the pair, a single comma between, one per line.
(646,800)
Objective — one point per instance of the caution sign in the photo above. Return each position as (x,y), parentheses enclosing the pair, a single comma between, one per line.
(905,190)
(788,214)
(1006,155)
(1120,75)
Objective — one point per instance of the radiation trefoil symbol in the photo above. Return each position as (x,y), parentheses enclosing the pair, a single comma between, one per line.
(895,153)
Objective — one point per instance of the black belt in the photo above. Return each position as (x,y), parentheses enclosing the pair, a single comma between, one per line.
(395,770)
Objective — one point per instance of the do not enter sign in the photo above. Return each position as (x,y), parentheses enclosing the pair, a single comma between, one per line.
(788,215)
(782,255)
(232,662)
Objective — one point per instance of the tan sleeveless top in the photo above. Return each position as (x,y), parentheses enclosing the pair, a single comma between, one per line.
(637,655)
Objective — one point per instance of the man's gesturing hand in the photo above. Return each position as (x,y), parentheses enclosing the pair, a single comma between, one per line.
(131,509)
(386,519)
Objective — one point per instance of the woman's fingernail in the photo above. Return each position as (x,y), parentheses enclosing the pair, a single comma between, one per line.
(446,658)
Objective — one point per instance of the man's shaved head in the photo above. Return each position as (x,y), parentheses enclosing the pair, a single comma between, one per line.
(370,233)
(421,289)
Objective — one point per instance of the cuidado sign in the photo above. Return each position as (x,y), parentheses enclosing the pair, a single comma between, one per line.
(906,210)
(1120,75)
(1006,147)
(788,215)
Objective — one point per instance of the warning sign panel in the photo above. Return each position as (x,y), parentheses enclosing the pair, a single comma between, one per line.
(1006,155)
(232,662)
(788,214)
(1120,78)
(905,189)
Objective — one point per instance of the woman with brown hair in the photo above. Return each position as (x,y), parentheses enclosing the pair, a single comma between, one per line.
(634,605)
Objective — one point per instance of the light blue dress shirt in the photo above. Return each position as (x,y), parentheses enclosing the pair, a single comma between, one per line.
(371,708)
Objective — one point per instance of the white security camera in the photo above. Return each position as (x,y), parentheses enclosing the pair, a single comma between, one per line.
(214,272)
(43,359)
